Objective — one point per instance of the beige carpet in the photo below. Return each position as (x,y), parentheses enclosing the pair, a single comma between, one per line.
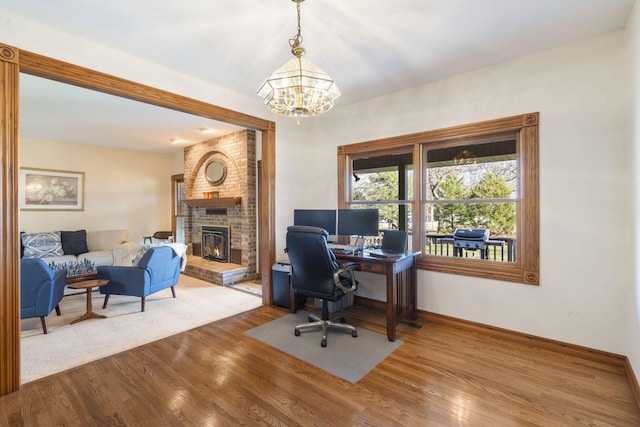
(65,346)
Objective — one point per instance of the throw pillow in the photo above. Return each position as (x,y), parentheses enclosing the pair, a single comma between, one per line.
(74,242)
(42,245)
(136,259)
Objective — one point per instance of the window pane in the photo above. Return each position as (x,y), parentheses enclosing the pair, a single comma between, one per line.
(180,229)
(381,178)
(479,171)
(459,175)
(392,216)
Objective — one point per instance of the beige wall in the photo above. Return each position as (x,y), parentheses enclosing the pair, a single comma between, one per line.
(123,189)
(582,92)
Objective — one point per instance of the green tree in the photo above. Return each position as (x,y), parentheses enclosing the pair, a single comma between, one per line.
(497,217)
(450,215)
(379,186)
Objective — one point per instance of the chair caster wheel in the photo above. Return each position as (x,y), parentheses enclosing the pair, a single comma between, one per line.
(310,319)
(296,332)
(354,334)
(323,343)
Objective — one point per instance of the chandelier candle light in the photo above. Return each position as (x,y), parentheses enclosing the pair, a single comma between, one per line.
(299,88)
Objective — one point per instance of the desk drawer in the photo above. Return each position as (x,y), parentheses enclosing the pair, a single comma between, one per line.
(372,267)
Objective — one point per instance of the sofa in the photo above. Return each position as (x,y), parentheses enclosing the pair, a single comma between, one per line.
(104,247)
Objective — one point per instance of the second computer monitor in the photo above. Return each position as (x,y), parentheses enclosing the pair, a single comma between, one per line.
(358,222)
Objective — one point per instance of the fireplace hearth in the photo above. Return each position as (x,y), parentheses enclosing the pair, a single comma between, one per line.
(216,243)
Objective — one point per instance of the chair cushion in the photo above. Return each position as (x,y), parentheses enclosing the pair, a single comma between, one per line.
(42,245)
(74,242)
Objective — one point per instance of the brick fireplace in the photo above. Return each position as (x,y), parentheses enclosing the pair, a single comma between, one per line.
(233,208)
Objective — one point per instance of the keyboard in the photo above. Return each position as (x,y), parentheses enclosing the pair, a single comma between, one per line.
(342,251)
(379,253)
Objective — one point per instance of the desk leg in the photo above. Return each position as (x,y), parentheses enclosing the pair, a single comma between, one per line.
(392,292)
(413,292)
(401,297)
(89,314)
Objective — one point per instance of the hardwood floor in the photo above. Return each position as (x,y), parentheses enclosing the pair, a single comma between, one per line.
(442,375)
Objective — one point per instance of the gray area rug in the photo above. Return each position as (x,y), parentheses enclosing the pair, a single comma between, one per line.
(346,357)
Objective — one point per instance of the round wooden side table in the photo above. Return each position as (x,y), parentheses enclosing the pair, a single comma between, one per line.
(88,285)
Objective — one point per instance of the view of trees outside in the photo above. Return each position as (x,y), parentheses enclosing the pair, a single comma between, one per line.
(382,187)
(470,191)
(462,188)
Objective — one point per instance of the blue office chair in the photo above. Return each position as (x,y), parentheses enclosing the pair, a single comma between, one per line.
(41,290)
(158,269)
(315,273)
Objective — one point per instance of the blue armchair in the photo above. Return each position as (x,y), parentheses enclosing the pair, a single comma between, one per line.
(41,290)
(158,269)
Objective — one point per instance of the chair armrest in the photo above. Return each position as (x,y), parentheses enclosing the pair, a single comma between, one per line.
(60,275)
(347,267)
(350,266)
(122,274)
(59,283)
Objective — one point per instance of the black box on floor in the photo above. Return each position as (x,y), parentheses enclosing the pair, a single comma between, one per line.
(281,280)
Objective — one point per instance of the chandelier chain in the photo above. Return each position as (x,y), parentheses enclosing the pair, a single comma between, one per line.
(296,41)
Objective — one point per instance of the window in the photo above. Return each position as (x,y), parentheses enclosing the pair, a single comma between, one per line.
(179,210)
(472,185)
(480,176)
(384,182)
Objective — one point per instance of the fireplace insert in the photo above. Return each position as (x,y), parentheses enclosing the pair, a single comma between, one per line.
(216,243)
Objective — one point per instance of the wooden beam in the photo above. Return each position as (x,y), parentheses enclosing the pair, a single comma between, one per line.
(42,66)
(12,62)
(9,272)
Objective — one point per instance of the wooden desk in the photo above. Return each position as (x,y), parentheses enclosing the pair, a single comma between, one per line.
(401,285)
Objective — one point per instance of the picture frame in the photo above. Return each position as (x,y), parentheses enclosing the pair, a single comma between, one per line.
(50,190)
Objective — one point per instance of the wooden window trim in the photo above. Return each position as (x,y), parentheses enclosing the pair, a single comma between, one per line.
(525,127)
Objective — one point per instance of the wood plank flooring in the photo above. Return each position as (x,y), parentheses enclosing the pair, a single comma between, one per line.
(443,375)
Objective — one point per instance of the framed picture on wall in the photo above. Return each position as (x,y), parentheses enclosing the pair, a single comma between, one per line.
(50,190)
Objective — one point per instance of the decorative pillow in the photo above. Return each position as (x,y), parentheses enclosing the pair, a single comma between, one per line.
(42,245)
(74,242)
(136,259)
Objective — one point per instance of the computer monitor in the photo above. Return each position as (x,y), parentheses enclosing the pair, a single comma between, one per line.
(358,222)
(323,218)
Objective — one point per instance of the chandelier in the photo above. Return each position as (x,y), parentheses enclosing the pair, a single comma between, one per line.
(299,88)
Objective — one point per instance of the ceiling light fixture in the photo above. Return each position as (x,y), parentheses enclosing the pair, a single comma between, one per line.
(299,88)
(176,140)
(205,130)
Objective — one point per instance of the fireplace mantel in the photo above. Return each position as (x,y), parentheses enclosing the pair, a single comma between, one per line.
(223,202)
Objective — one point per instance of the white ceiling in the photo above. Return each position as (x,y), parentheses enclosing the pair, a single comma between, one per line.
(370,47)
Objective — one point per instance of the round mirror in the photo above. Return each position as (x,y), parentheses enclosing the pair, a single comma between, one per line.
(215,172)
